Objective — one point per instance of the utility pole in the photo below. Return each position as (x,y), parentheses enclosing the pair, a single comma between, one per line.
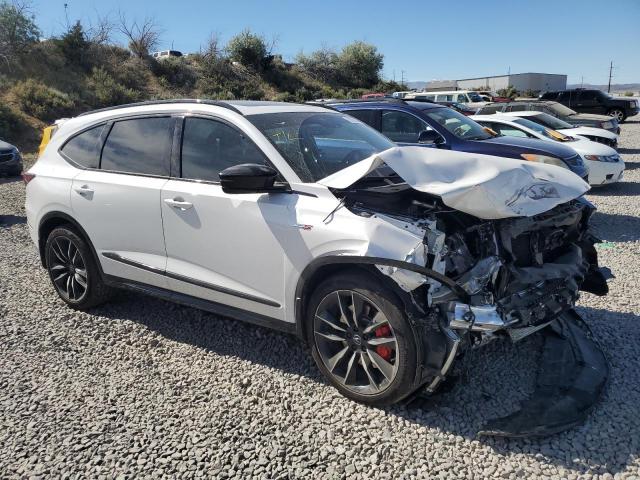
(402,81)
(66,14)
(610,75)
(581,81)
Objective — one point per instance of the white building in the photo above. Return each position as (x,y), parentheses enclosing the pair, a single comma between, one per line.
(537,82)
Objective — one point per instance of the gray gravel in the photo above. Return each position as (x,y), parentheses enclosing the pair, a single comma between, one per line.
(145,388)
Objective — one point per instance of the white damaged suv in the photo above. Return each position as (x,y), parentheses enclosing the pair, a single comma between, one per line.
(389,262)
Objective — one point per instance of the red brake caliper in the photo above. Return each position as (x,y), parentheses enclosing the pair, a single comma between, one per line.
(382,350)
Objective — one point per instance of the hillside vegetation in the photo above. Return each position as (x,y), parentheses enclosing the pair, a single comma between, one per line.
(83,69)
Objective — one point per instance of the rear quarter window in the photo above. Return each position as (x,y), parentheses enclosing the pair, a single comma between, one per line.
(84,148)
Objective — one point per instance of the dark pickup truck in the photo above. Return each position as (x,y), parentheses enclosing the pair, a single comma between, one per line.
(595,101)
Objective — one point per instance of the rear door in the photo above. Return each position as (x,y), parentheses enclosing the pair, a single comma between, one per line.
(220,245)
(117,201)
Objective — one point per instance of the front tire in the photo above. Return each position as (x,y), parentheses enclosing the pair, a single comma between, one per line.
(617,114)
(361,340)
(73,270)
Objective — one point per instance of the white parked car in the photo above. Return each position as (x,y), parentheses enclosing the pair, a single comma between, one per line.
(388,261)
(604,163)
(599,135)
(468,97)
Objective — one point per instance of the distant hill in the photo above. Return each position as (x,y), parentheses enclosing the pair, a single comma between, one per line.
(616,87)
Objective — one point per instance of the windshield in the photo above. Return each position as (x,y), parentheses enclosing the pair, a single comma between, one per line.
(461,126)
(551,121)
(561,109)
(315,145)
(536,127)
(475,97)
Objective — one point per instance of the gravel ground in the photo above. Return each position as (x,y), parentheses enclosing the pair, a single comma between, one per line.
(145,388)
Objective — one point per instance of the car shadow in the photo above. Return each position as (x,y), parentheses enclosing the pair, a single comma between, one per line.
(485,389)
(10,179)
(630,151)
(616,228)
(618,189)
(11,220)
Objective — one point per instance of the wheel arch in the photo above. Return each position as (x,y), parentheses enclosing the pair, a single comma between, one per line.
(432,348)
(55,219)
(326,266)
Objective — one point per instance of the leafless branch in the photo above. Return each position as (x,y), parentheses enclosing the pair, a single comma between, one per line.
(100,31)
(143,37)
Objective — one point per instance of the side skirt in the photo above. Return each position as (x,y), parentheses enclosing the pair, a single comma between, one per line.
(201,304)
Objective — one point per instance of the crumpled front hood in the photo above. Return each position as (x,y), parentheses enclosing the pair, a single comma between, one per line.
(484,186)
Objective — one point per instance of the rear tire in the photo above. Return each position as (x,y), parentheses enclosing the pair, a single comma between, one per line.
(73,270)
(369,357)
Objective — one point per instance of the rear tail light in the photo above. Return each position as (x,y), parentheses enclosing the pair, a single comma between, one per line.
(27,177)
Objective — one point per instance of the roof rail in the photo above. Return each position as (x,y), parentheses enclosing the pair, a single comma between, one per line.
(367,100)
(216,103)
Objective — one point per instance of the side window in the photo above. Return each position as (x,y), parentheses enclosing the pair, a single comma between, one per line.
(209,146)
(589,95)
(508,130)
(461,98)
(84,149)
(567,96)
(444,98)
(366,116)
(141,145)
(402,127)
(489,109)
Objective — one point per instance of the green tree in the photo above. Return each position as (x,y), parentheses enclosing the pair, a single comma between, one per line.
(359,65)
(249,49)
(74,45)
(321,65)
(509,92)
(18,30)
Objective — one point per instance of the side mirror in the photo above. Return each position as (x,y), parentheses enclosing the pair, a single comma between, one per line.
(430,136)
(250,178)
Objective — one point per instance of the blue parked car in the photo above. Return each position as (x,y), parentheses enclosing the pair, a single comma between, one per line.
(433,125)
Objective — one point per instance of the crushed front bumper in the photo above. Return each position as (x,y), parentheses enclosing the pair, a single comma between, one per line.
(572,377)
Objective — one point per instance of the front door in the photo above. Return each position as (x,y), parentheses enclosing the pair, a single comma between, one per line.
(220,247)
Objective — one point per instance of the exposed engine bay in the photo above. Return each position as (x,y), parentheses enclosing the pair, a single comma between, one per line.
(512,277)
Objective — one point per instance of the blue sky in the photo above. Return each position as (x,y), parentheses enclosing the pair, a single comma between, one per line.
(428,40)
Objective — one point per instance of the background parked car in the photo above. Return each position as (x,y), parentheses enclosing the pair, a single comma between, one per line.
(599,135)
(468,97)
(557,110)
(604,163)
(595,101)
(10,159)
(493,96)
(433,125)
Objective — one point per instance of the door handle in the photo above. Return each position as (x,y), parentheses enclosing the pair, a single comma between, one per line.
(84,190)
(178,203)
